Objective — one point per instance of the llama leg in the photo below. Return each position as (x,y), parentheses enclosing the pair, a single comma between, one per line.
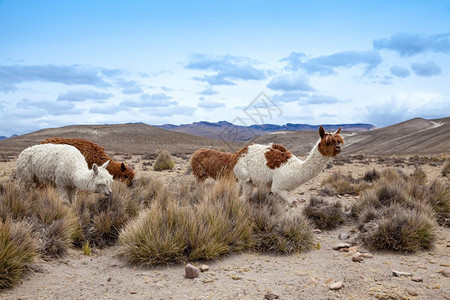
(72,194)
(247,190)
(287,196)
(64,195)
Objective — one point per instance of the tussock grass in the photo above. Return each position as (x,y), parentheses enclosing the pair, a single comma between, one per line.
(324,215)
(342,184)
(399,229)
(164,161)
(179,229)
(13,203)
(277,231)
(371,176)
(446,169)
(398,212)
(419,176)
(17,250)
(101,218)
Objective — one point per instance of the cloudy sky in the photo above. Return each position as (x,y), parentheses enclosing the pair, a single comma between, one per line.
(317,62)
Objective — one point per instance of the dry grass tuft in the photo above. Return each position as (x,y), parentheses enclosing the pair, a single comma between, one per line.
(101,218)
(399,229)
(324,215)
(17,250)
(278,231)
(177,229)
(342,184)
(446,168)
(164,161)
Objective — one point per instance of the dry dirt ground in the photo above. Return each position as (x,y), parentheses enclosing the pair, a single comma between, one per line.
(106,275)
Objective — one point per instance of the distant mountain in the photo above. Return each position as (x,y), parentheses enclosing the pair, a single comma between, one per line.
(228,131)
(2,137)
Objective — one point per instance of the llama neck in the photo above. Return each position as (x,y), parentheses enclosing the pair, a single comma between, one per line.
(313,165)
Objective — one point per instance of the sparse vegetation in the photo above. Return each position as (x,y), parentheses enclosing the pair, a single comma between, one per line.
(17,250)
(102,218)
(164,161)
(277,231)
(446,168)
(342,184)
(324,215)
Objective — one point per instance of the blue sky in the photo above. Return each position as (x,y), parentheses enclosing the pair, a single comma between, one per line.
(98,62)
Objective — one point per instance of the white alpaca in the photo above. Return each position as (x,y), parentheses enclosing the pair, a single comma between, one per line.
(275,167)
(63,166)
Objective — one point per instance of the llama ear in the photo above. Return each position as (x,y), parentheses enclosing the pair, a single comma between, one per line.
(95,169)
(321,132)
(339,130)
(105,164)
(122,167)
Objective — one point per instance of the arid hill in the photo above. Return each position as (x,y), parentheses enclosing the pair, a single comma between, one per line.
(416,136)
(121,138)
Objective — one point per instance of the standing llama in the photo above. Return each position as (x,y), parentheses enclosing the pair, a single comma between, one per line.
(63,166)
(275,167)
(210,163)
(96,154)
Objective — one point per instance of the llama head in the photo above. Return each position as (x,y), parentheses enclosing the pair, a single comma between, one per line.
(126,174)
(102,179)
(330,143)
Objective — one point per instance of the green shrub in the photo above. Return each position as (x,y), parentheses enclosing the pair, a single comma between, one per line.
(17,250)
(164,161)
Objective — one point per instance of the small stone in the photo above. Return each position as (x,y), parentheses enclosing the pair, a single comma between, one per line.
(109,279)
(317,230)
(271,296)
(446,273)
(341,246)
(412,292)
(204,268)
(336,285)
(416,278)
(357,257)
(133,293)
(366,255)
(191,271)
(343,235)
(398,273)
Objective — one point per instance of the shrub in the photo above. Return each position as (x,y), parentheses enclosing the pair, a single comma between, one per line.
(52,221)
(342,184)
(101,218)
(371,175)
(399,229)
(276,230)
(419,175)
(324,215)
(438,197)
(179,229)
(446,168)
(13,203)
(17,250)
(164,161)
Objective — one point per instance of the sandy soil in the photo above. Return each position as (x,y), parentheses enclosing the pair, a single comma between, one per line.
(106,275)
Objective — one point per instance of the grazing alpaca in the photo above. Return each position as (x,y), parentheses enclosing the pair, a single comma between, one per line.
(63,166)
(207,163)
(96,154)
(275,167)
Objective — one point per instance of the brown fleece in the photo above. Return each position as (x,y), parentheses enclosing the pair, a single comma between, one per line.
(211,163)
(95,154)
(276,156)
(329,144)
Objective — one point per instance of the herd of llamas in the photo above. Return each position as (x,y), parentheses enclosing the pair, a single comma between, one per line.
(72,164)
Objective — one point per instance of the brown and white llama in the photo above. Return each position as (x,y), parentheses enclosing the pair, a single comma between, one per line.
(275,167)
(94,154)
(210,163)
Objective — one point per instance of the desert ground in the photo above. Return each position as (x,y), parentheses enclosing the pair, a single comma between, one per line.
(106,275)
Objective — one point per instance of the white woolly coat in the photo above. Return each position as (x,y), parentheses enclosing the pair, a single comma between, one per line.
(252,168)
(63,166)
